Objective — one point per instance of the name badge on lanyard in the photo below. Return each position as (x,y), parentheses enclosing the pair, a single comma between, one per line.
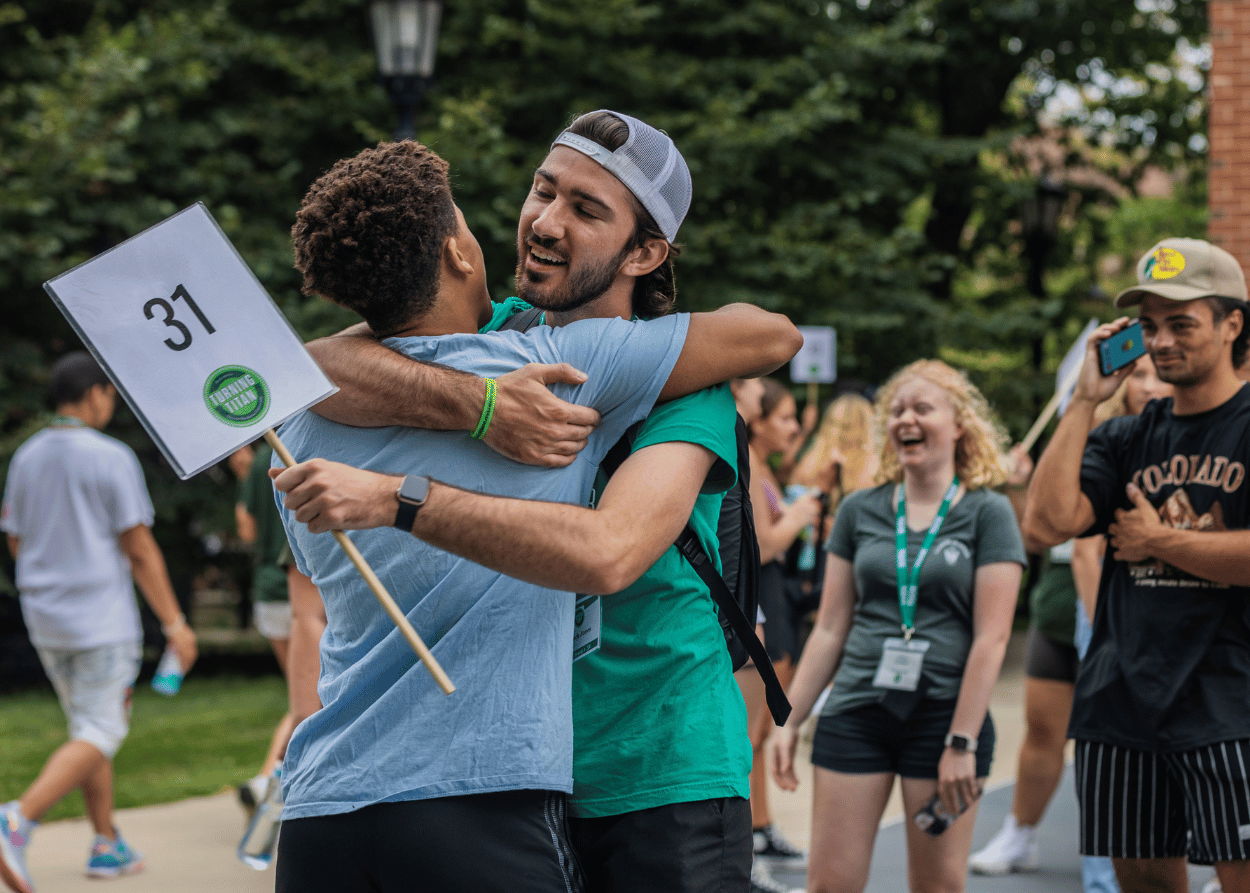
(587,635)
(902,659)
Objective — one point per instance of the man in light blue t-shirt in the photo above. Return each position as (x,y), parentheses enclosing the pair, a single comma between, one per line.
(391,775)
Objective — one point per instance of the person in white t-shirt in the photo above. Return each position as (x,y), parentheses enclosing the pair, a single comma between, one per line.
(78,520)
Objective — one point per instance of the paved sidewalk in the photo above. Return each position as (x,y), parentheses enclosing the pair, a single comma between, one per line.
(189,848)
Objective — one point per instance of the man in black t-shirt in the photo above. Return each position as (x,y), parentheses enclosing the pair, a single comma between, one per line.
(1161,715)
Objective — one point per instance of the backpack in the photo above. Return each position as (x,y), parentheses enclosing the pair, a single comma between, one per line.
(736,590)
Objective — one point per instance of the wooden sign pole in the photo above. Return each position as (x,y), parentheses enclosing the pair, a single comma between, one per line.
(379,591)
(1050,409)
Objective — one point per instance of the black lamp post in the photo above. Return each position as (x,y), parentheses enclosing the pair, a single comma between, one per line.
(1039,217)
(405,37)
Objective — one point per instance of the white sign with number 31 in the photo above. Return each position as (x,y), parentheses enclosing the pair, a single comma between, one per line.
(191,339)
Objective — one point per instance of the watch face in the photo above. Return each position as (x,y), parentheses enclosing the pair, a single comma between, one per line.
(958,742)
(415,488)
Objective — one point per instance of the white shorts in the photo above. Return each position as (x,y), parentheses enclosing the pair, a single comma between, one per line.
(94,686)
(272,619)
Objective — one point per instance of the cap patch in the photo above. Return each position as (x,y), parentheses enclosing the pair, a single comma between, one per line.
(1164,263)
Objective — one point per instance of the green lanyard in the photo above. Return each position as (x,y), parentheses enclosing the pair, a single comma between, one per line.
(908,583)
(67,421)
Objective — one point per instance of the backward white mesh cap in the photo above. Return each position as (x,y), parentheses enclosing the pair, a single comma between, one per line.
(649,165)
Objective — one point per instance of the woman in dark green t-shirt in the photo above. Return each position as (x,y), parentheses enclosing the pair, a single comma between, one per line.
(920,588)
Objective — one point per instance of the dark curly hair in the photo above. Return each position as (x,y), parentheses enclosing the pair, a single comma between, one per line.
(370,233)
(655,294)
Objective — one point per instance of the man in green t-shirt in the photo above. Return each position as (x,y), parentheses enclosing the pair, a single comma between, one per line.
(661,754)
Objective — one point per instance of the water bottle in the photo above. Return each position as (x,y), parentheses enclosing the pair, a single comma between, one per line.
(261,837)
(168,678)
(933,817)
(807,536)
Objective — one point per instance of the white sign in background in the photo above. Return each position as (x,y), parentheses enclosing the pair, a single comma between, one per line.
(191,338)
(817,359)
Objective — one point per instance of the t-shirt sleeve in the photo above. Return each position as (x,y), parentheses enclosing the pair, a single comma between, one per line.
(1100,471)
(627,365)
(706,418)
(998,532)
(841,540)
(502,312)
(124,493)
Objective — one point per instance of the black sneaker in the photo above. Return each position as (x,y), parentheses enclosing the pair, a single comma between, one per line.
(769,844)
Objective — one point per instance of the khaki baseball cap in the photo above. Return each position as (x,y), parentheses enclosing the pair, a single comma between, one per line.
(1185,269)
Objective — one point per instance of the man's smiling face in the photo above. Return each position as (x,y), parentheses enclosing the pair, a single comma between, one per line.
(1183,339)
(575,233)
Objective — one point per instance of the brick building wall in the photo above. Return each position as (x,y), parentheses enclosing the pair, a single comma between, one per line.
(1229,128)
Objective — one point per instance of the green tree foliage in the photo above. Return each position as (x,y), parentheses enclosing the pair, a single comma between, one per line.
(853,160)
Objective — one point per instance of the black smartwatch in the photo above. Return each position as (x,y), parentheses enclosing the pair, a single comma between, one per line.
(411,494)
(959,743)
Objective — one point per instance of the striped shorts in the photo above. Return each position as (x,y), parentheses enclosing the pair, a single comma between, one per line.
(1139,805)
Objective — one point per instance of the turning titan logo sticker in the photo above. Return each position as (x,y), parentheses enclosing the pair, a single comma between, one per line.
(237,396)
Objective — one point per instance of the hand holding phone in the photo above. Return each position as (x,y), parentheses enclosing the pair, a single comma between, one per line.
(1122,348)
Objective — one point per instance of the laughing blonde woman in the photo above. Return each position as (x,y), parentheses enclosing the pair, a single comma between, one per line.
(919,592)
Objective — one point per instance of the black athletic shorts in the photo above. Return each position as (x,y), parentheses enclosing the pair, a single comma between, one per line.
(781,624)
(1140,805)
(698,847)
(872,739)
(508,842)
(1047,659)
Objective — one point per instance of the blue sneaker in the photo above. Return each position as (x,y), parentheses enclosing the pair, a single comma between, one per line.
(14,838)
(113,858)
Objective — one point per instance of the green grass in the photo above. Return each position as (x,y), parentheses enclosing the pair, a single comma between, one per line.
(212,735)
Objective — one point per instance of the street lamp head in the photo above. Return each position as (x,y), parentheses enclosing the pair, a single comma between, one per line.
(405,38)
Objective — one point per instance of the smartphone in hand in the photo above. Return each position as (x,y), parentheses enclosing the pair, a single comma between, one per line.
(1121,349)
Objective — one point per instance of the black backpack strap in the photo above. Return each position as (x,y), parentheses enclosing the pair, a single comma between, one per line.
(620,451)
(522,321)
(744,627)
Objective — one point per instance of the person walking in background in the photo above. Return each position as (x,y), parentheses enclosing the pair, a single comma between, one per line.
(913,646)
(260,526)
(777,524)
(78,520)
(748,392)
(308,624)
(842,456)
(840,459)
(783,461)
(1053,652)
